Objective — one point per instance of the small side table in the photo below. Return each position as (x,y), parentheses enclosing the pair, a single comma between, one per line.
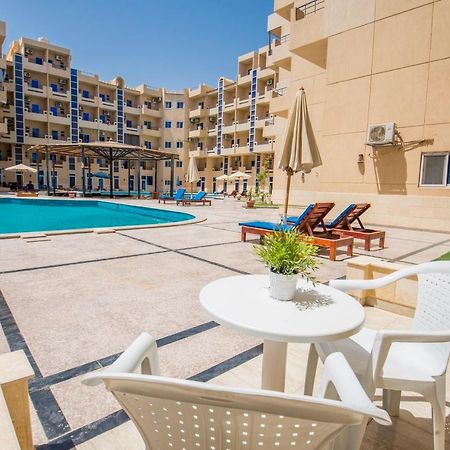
(318,314)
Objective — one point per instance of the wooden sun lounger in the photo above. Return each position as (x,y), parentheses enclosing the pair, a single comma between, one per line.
(189,201)
(27,194)
(345,228)
(326,239)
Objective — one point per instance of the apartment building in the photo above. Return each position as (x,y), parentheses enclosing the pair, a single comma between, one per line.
(366,65)
(231,127)
(43,99)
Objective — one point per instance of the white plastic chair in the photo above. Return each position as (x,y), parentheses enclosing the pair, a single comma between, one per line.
(414,360)
(178,414)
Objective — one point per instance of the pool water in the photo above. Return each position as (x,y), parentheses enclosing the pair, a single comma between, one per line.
(26,215)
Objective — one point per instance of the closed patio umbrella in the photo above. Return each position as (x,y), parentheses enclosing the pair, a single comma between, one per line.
(222,178)
(299,149)
(192,175)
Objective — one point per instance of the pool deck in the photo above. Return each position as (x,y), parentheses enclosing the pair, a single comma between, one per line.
(75,301)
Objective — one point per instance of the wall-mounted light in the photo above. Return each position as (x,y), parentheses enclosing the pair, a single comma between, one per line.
(360,159)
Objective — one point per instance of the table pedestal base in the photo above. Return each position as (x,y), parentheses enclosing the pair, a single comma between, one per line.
(274,365)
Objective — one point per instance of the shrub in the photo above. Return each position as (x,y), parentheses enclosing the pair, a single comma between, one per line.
(289,253)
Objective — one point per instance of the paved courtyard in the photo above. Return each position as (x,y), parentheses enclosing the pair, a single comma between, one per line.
(74,302)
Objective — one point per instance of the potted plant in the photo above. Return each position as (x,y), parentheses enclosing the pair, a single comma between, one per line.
(250,199)
(288,255)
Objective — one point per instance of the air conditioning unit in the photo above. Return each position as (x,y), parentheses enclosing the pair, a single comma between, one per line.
(196,120)
(26,75)
(381,134)
(58,58)
(28,51)
(227,136)
(192,120)
(80,108)
(212,120)
(62,81)
(269,82)
(58,104)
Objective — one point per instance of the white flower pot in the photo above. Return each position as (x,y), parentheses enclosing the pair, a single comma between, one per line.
(282,287)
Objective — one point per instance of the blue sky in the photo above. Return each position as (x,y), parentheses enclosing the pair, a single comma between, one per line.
(174,44)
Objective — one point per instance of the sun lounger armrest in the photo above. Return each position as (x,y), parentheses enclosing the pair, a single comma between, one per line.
(339,375)
(141,354)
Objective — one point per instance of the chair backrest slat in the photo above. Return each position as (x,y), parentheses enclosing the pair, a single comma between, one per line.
(355,214)
(315,215)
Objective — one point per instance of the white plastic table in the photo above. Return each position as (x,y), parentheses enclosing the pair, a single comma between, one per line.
(317,314)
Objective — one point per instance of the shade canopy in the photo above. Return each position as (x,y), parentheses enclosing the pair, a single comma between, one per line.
(108,150)
(192,175)
(222,178)
(299,149)
(236,175)
(21,167)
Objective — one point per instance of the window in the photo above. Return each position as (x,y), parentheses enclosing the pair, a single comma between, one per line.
(168,124)
(435,169)
(180,144)
(179,164)
(129,103)
(180,105)
(167,163)
(71,163)
(72,181)
(168,105)
(148,144)
(167,144)
(116,183)
(116,166)
(167,182)
(180,124)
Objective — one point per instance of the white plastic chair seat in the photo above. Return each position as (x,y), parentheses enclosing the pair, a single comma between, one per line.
(413,362)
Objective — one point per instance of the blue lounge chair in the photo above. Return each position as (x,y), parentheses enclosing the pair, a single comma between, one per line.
(307,222)
(270,226)
(200,197)
(174,198)
(334,223)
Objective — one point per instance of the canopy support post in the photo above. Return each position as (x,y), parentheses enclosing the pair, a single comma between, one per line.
(172,173)
(47,171)
(139,173)
(155,184)
(289,172)
(89,183)
(111,174)
(37,173)
(53,175)
(83,171)
(129,188)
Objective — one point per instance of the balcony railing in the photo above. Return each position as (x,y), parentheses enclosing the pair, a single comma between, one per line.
(279,92)
(309,8)
(275,41)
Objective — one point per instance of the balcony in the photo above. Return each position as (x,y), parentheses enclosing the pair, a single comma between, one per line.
(40,91)
(244,79)
(132,129)
(3,96)
(199,133)
(198,153)
(150,111)
(105,104)
(264,147)
(243,102)
(279,53)
(87,123)
(62,120)
(58,70)
(31,140)
(213,111)
(40,116)
(3,127)
(152,132)
(58,94)
(91,101)
(242,126)
(228,128)
(279,104)
(132,109)
(33,66)
(308,29)
(212,132)
(105,126)
(197,112)
(227,151)
(231,104)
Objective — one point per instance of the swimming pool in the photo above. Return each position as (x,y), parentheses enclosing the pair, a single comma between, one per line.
(27,215)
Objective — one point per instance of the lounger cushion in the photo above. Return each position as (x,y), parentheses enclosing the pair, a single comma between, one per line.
(199,196)
(266,226)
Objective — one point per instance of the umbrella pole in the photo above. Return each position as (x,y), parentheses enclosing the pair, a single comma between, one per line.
(111,174)
(288,187)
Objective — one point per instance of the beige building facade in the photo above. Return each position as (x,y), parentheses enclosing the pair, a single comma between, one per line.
(370,68)
(366,63)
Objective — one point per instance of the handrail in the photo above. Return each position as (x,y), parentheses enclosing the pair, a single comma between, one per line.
(309,8)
